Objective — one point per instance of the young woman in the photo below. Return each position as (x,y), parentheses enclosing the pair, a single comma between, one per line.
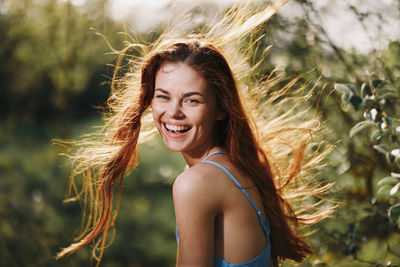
(230,203)
(197,111)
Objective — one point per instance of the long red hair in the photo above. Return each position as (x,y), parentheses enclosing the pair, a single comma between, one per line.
(259,147)
(237,138)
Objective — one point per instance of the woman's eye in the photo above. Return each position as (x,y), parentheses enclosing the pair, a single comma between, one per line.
(162,97)
(189,100)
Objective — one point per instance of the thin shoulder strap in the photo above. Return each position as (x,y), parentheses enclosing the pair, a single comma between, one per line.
(265,225)
(212,154)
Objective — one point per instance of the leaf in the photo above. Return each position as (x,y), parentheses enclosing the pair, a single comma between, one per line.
(395,153)
(382,148)
(377,83)
(345,88)
(374,113)
(356,101)
(394,189)
(346,98)
(376,135)
(349,94)
(387,92)
(363,91)
(383,191)
(389,180)
(390,158)
(352,88)
(360,126)
(395,174)
(394,213)
(367,115)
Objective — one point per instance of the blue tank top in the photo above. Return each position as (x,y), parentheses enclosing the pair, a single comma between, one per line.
(263,259)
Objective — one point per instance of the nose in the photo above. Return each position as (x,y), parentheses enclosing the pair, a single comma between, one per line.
(175,110)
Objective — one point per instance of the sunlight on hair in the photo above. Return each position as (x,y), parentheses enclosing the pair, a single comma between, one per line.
(284,124)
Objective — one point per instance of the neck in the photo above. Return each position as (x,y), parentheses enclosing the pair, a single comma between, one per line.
(194,158)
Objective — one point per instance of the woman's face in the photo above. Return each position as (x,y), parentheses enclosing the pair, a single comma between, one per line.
(184,109)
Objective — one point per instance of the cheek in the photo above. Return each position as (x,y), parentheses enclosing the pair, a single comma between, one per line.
(156,117)
(205,118)
(154,113)
(155,110)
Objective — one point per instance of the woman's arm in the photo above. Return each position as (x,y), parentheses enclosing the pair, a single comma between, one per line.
(196,206)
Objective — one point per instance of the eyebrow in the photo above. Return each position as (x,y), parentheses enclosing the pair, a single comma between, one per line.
(185,94)
(161,90)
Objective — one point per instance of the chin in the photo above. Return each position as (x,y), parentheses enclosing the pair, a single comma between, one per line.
(174,147)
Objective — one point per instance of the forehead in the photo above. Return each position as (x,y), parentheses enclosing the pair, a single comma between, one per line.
(179,77)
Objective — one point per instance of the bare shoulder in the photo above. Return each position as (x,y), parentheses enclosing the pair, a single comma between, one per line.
(200,176)
(198,184)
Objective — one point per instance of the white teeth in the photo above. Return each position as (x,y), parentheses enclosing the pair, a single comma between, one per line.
(176,128)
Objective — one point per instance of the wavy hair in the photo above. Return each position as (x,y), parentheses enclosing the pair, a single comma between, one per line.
(259,133)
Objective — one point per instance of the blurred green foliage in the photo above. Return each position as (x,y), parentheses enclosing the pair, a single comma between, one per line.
(379,103)
(51,62)
(53,71)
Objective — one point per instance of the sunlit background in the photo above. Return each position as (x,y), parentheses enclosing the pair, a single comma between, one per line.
(340,21)
(55,69)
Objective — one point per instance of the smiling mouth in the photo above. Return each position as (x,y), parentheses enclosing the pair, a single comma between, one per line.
(176,129)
